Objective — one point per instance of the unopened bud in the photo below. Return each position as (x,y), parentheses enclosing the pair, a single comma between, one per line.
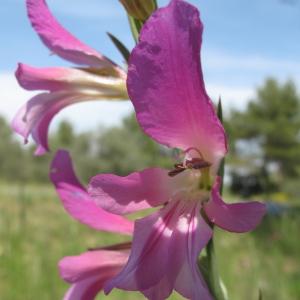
(139,9)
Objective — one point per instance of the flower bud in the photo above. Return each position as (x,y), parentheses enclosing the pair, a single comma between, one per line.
(139,9)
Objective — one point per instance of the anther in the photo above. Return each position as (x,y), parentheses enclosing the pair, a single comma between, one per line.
(194,163)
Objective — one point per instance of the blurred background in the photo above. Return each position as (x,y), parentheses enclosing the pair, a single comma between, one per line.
(251,59)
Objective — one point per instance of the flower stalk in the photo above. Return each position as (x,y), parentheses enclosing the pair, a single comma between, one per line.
(166,87)
(208,264)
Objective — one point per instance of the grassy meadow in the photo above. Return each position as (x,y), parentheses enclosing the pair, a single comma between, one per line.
(35,233)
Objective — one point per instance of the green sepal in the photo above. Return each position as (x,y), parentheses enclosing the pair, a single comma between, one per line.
(120,46)
(139,9)
(136,25)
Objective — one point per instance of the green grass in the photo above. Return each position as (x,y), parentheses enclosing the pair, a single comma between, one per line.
(35,233)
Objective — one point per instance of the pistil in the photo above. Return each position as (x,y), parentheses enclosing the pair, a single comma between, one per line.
(205,182)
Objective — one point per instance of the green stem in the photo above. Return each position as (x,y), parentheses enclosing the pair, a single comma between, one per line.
(214,280)
(208,264)
(135,26)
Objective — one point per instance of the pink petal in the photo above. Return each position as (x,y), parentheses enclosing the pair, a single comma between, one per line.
(60,78)
(147,264)
(190,282)
(68,86)
(236,217)
(35,116)
(59,40)
(31,78)
(89,271)
(78,203)
(165,83)
(160,291)
(75,268)
(137,191)
(86,289)
(163,244)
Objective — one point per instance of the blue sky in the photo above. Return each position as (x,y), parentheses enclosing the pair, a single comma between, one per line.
(244,42)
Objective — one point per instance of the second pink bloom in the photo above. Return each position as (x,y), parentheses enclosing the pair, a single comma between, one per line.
(165,84)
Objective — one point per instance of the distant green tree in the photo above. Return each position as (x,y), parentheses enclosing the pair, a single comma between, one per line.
(65,135)
(125,149)
(272,121)
(13,163)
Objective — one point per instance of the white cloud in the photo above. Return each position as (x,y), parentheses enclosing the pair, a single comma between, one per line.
(12,96)
(83,116)
(235,78)
(89,115)
(222,61)
(232,97)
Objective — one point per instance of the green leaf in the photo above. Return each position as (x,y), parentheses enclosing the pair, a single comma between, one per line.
(120,46)
(220,110)
(222,165)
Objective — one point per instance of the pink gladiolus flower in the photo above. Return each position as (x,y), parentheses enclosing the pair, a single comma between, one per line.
(89,271)
(166,86)
(98,78)
(77,201)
